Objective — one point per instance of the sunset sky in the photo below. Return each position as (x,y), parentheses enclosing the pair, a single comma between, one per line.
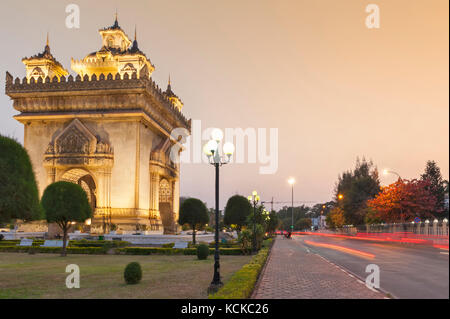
(335,89)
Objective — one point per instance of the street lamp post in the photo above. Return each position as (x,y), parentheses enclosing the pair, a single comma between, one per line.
(254,199)
(211,149)
(291,181)
(386,171)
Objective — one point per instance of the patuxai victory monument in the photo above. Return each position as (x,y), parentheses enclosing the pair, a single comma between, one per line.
(107,129)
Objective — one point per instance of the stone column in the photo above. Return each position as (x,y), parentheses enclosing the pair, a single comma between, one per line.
(154,195)
(176,202)
(103,193)
(51,177)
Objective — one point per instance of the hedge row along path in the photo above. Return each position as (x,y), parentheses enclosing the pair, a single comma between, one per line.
(292,272)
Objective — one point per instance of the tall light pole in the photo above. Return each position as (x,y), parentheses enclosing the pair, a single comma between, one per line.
(254,199)
(291,182)
(211,149)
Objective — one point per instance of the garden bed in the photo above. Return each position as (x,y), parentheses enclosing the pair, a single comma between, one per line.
(242,283)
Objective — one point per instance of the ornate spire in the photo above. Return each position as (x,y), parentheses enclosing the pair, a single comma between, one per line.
(169,91)
(174,99)
(135,48)
(116,22)
(116,25)
(47,46)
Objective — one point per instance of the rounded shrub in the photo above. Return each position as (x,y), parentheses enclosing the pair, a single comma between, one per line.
(202,251)
(133,273)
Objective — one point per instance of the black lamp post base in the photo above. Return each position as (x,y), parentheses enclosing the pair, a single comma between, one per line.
(214,287)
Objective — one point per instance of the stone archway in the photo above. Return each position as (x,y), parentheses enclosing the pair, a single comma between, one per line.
(85,180)
(165,206)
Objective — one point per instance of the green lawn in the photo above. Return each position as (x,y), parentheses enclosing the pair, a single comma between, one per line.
(101,276)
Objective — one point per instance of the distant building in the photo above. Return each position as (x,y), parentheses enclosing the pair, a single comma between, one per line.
(322,222)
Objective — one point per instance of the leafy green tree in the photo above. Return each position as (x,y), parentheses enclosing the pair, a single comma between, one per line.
(303,223)
(285,215)
(245,239)
(273,223)
(261,216)
(357,187)
(372,217)
(237,210)
(19,196)
(64,203)
(437,186)
(335,218)
(194,213)
(322,209)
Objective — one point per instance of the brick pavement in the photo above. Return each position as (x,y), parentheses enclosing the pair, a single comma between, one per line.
(292,272)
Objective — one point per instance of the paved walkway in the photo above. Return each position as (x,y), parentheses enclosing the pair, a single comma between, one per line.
(292,272)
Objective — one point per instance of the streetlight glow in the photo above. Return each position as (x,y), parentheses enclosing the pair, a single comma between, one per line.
(217,134)
(291,181)
(386,171)
(212,146)
(207,150)
(228,148)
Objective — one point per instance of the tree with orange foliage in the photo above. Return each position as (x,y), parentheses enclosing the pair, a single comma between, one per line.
(404,200)
(335,218)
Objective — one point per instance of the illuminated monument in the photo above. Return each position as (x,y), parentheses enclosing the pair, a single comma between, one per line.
(108,129)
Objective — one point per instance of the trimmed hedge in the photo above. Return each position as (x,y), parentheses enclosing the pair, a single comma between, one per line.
(224,245)
(172,251)
(54,250)
(242,283)
(98,243)
(74,243)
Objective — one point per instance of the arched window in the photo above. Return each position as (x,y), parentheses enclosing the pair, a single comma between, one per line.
(110,42)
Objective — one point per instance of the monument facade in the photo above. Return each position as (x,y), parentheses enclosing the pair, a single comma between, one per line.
(107,129)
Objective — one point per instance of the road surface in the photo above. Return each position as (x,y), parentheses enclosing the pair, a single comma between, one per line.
(406,271)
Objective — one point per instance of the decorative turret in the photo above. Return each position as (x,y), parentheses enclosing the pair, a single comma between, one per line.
(174,99)
(117,55)
(43,64)
(114,38)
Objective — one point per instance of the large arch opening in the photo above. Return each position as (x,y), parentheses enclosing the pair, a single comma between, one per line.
(86,181)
